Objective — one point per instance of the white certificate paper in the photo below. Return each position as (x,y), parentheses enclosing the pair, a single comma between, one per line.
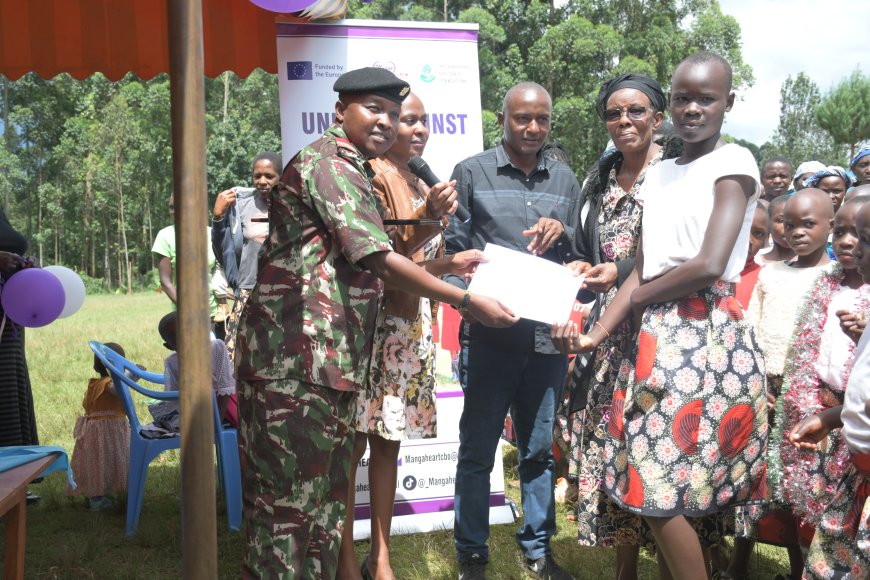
(532,287)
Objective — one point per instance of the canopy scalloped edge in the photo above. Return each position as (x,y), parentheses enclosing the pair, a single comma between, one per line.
(117,37)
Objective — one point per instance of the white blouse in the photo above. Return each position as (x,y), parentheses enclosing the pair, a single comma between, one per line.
(856,423)
(834,345)
(678,203)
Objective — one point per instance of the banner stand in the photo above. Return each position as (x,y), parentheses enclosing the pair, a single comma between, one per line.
(426,478)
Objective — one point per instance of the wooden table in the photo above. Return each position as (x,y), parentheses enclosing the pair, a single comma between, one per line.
(13,505)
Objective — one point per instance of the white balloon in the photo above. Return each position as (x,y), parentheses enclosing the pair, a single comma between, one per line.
(73,287)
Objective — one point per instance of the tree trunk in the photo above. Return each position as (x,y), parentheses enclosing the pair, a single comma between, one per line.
(39,214)
(39,226)
(6,133)
(148,221)
(107,264)
(87,237)
(122,225)
(226,95)
(119,265)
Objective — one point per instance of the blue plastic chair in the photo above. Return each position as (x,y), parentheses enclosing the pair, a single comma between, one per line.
(125,376)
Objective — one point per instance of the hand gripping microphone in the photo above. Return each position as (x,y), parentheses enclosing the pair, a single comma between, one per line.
(422,170)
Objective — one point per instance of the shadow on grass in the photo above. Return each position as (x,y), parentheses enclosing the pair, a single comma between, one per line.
(66,540)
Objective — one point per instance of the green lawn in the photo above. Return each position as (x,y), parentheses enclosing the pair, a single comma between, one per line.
(65,540)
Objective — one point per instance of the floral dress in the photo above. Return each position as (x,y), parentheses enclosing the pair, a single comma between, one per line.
(399,399)
(599,521)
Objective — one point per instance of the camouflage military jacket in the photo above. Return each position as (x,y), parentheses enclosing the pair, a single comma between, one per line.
(312,312)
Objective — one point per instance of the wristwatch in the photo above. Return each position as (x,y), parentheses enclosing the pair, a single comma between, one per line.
(466,301)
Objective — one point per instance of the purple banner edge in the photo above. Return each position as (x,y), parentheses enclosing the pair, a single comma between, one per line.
(344,31)
(407,508)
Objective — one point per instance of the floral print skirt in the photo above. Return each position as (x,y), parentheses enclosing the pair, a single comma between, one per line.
(600,522)
(841,546)
(687,432)
(399,400)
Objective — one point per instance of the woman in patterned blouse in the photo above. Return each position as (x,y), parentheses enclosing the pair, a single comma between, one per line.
(631,107)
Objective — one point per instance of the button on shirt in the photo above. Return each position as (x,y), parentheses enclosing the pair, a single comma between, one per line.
(503,202)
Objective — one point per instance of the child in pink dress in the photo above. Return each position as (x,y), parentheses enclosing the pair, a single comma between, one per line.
(101,457)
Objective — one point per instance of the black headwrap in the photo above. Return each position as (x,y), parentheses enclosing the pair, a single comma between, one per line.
(642,83)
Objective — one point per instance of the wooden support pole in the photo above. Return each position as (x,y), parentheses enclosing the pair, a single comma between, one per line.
(187,100)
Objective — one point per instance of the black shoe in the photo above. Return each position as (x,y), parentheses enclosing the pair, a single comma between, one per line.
(473,568)
(32,498)
(546,568)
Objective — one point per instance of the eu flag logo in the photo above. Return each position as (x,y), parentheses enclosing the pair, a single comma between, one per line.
(300,70)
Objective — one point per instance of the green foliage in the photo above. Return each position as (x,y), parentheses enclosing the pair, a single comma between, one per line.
(753,148)
(799,137)
(94,286)
(577,127)
(554,56)
(845,112)
(87,167)
(716,32)
(492,132)
(570,50)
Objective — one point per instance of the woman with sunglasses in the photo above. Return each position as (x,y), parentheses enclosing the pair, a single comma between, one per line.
(632,109)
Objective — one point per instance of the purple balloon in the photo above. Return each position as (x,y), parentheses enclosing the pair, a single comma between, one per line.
(33,297)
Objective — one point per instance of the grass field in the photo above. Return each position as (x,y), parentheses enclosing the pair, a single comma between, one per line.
(66,540)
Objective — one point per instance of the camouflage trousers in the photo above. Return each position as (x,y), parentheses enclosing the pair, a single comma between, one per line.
(232,322)
(295,443)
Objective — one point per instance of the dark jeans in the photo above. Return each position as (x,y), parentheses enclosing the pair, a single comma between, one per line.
(530,385)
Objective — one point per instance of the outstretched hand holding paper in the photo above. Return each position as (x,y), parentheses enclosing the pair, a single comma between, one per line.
(532,287)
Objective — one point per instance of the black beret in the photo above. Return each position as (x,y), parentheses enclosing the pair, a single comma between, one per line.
(373,81)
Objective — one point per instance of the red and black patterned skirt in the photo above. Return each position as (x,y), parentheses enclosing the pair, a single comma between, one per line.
(688,426)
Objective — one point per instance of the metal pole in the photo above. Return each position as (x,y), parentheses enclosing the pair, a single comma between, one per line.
(187,99)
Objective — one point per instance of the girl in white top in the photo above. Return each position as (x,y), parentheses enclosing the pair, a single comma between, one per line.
(687,428)
(841,545)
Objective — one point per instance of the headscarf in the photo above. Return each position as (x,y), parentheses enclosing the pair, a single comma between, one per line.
(807,167)
(642,83)
(829,171)
(860,155)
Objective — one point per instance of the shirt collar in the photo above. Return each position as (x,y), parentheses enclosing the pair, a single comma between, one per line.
(347,149)
(502,159)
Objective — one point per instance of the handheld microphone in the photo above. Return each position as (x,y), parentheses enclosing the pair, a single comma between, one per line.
(422,170)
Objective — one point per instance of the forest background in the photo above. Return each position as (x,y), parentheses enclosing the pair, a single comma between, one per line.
(86,169)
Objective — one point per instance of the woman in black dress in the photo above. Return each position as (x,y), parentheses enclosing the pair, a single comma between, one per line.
(17,418)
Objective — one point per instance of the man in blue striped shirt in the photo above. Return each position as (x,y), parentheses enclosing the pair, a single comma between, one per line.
(522,200)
